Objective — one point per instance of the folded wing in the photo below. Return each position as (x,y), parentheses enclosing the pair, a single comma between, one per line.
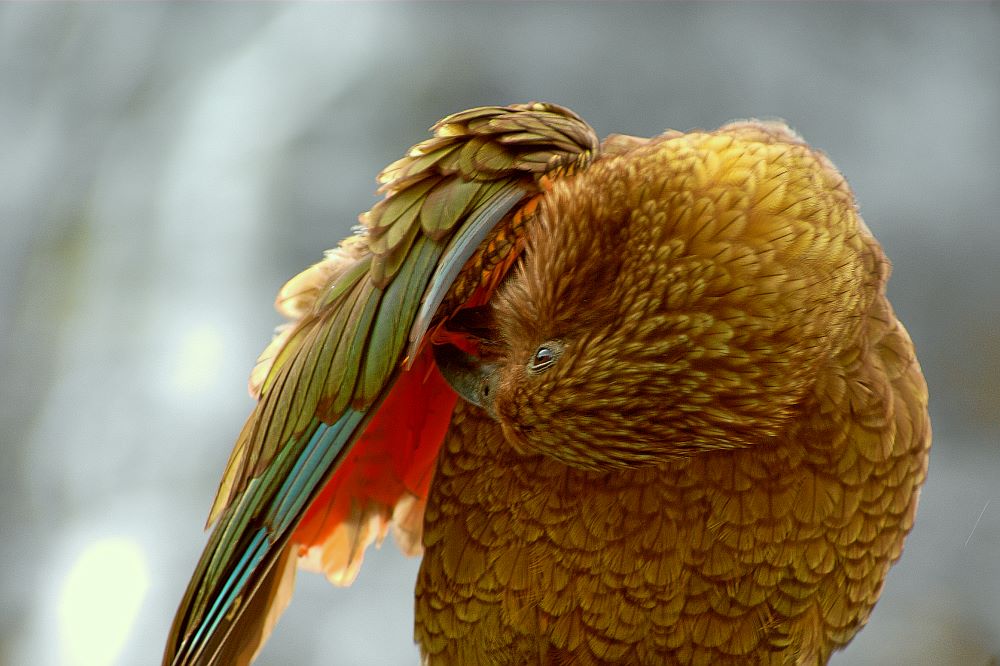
(350,407)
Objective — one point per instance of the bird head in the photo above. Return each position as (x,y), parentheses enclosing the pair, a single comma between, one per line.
(679,297)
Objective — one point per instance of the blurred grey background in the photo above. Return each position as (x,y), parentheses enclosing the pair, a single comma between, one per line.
(165,167)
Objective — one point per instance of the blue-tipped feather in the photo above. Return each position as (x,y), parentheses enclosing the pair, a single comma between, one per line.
(281,498)
(311,468)
(255,552)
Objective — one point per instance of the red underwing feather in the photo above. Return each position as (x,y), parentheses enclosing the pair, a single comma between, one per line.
(393,459)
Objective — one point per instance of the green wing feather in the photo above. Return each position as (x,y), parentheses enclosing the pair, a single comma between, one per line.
(322,379)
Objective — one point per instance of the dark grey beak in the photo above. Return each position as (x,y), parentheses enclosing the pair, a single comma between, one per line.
(473,380)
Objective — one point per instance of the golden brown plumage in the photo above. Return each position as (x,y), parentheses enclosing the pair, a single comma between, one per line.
(693,431)
(723,461)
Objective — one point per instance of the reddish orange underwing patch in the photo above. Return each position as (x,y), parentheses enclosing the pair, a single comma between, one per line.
(395,455)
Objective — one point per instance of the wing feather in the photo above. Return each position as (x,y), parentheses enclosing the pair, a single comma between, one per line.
(446,204)
(320,382)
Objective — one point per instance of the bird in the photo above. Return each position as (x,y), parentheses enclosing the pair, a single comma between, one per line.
(636,401)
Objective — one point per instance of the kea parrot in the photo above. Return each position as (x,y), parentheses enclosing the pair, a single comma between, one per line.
(639,401)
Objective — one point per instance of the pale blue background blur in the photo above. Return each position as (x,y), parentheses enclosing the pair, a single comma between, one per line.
(164,168)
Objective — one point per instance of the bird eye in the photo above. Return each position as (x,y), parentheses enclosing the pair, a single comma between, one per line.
(544,357)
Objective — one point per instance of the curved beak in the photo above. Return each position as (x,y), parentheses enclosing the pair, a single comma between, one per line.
(473,380)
